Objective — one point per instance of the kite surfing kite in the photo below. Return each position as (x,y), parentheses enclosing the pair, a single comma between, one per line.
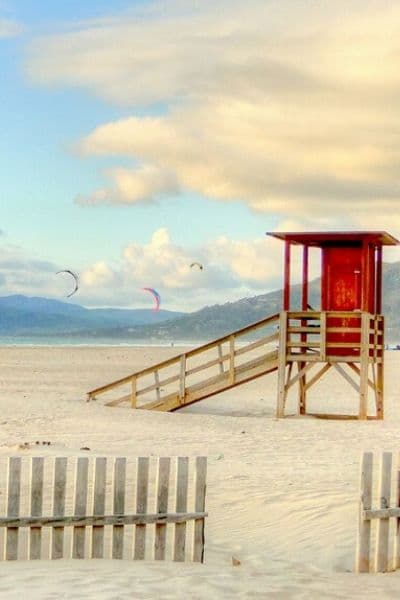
(196,264)
(156,297)
(75,279)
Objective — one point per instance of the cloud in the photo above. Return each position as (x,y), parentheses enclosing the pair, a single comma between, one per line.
(23,273)
(132,186)
(232,269)
(9,28)
(230,272)
(299,122)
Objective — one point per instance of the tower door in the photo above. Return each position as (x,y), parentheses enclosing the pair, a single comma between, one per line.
(343,293)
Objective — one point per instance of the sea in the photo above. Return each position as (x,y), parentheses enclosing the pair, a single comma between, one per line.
(76,341)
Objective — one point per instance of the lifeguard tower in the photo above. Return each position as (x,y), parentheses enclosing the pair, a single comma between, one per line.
(347,333)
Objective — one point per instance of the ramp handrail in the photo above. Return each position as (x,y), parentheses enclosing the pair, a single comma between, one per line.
(182,360)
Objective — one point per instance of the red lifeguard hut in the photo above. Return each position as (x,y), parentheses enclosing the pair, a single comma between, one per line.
(347,333)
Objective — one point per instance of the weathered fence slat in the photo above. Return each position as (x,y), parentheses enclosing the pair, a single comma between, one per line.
(106,487)
(119,506)
(378,541)
(102,520)
(60,480)
(13,504)
(366,503)
(36,505)
(397,526)
(200,498)
(162,507)
(141,506)
(181,506)
(80,506)
(99,500)
(383,524)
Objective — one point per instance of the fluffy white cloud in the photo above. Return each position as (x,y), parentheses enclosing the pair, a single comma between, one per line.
(232,269)
(133,186)
(293,120)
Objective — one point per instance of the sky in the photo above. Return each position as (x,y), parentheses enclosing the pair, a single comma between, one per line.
(140,136)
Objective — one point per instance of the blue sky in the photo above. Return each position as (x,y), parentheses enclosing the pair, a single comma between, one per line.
(139,136)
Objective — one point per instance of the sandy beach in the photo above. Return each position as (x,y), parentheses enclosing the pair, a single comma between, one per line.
(282,495)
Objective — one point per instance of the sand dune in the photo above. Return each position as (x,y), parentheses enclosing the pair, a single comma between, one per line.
(282,495)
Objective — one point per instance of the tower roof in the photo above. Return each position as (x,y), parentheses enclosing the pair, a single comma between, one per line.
(321,239)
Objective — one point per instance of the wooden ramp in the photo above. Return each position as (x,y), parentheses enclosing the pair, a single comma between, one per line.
(191,376)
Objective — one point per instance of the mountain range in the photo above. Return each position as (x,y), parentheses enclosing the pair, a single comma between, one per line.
(31,316)
(21,316)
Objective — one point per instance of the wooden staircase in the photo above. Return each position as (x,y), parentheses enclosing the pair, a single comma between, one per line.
(191,376)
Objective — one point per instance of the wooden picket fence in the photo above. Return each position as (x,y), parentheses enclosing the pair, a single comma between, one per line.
(84,507)
(378,548)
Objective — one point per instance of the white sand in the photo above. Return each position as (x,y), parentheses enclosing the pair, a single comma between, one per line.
(282,495)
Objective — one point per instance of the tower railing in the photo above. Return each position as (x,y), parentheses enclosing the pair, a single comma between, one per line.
(309,338)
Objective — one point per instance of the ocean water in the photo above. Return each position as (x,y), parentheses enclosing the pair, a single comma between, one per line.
(76,341)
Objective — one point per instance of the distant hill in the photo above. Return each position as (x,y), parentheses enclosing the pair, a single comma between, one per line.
(30,316)
(41,317)
(218,320)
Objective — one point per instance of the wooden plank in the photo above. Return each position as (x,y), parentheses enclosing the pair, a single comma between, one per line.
(384,561)
(307,344)
(364,365)
(324,344)
(338,416)
(80,506)
(289,373)
(363,562)
(356,369)
(13,505)
(99,500)
(238,333)
(161,383)
(303,357)
(200,501)
(162,506)
(381,513)
(142,485)
(182,481)
(317,376)
(211,363)
(166,403)
(311,329)
(280,408)
(37,469)
(300,374)
(253,345)
(157,384)
(303,314)
(91,520)
(213,385)
(60,480)
(347,377)
(133,392)
(397,501)
(149,388)
(117,401)
(221,358)
(232,359)
(149,370)
(119,506)
(182,378)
